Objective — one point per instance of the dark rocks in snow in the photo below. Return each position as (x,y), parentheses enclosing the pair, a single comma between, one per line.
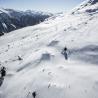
(1,34)
(91,10)
(93,1)
(49,85)
(65,30)
(20,58)
(49,73)
(43,70)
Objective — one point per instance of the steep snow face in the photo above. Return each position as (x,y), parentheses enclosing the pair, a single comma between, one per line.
(18,19)
(42,67)
(88,6)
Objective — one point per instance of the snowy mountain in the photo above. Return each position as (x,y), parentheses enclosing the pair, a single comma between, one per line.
(87,6)
(35,63)
(11,19)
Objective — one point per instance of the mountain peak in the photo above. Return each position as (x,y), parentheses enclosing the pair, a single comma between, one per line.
(92,1)
(86,6)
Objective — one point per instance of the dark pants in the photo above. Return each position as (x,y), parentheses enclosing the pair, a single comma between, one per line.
(65,55)
(1,80)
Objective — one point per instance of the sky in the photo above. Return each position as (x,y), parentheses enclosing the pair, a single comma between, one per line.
(53,6)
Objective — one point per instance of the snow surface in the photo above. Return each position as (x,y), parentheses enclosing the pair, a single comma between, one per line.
(43,68)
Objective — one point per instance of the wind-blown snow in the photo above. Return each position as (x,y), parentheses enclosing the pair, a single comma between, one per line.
(43,68)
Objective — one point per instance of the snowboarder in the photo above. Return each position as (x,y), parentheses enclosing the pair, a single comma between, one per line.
(65,53)
(3,72)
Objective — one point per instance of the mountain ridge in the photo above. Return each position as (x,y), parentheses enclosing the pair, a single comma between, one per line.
(12,19)
(86,6)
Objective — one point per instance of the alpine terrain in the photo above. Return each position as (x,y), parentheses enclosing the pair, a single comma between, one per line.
(36,66)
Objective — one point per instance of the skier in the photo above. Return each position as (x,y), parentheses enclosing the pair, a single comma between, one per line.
(34,94)
(3,72)
(65,53)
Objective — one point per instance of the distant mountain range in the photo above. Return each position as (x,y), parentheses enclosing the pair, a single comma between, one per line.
(11,19)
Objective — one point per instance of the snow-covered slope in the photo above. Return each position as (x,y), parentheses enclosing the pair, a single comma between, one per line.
(88,6)
(11,19)
(43,69)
